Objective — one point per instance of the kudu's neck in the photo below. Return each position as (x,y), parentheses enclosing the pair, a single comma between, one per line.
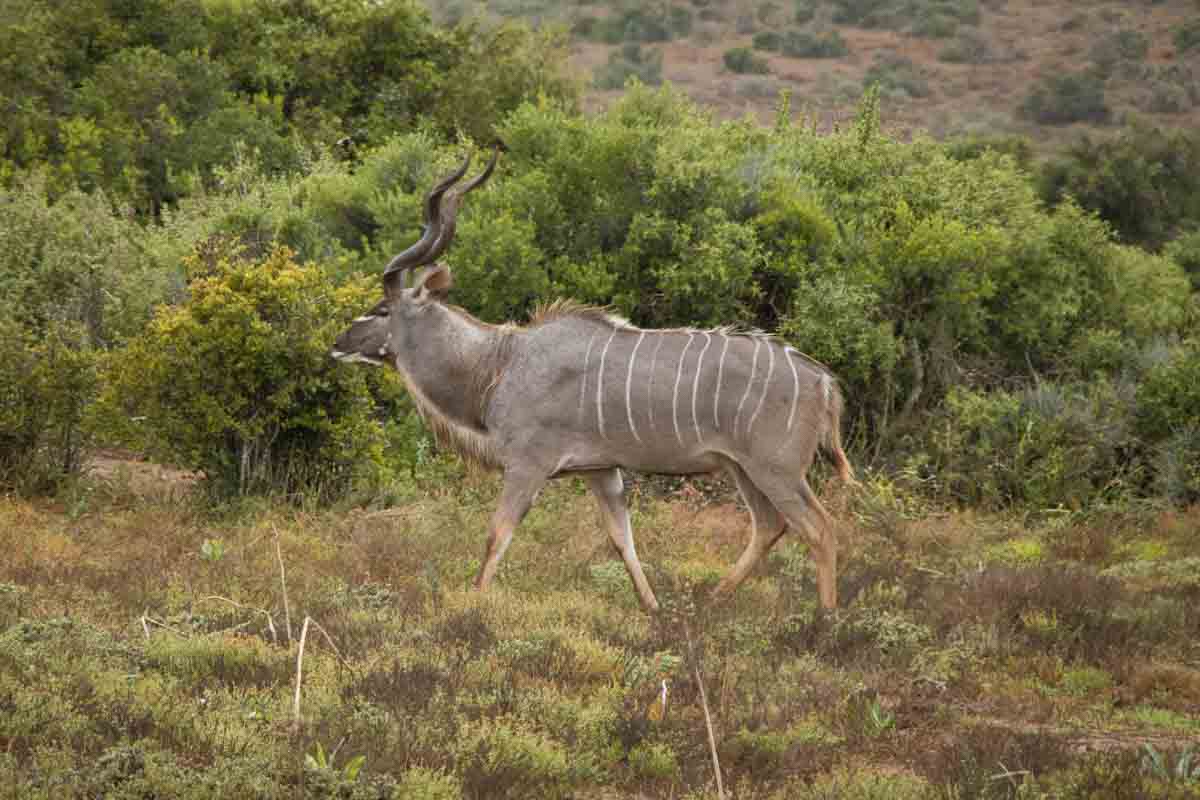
(453,365)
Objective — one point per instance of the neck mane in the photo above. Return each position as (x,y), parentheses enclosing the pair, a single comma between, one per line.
(451,380)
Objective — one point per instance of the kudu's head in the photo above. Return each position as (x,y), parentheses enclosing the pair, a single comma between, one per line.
(382,333)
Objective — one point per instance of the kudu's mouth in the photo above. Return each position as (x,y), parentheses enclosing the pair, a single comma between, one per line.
(351,358)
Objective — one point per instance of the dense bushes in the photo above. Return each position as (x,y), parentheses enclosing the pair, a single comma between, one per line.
(146,101)
(1143,180)
(918,272)
(1044,447)
(1068,97)
(47,382)
(237,382)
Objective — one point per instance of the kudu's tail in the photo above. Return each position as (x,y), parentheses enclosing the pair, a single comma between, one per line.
(831,439)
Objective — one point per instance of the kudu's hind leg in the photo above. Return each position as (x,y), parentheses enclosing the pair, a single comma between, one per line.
(804,512)
(610,493)
(766,527)
(515,499)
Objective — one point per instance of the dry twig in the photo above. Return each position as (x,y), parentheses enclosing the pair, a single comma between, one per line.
(712,739)
(236,604)
(299,675)
(287,612)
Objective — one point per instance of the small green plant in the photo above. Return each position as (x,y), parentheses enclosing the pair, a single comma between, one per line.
(1158,765)
(655,761)
(319,761)
(879,720)
(212,550)
(1083,681)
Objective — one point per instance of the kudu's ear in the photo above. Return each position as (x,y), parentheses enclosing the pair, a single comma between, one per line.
(433,282)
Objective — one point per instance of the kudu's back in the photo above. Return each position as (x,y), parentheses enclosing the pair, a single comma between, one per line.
(600,392)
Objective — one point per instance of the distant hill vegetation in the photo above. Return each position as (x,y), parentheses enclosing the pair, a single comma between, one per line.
(945,66)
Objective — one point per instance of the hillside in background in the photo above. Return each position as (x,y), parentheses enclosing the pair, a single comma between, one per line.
(1041,68)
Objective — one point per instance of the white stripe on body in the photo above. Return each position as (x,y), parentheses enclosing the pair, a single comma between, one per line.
(675,396)
(787,353)
(720,373)
(753,369)
(600,385)
(766,388)
(583,384)
(696,385)
(628,382)
(653,372)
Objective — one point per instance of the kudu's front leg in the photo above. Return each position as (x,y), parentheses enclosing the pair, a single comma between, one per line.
(518,495)
(610,492)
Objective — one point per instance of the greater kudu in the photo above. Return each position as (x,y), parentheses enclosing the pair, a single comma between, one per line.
(581,392)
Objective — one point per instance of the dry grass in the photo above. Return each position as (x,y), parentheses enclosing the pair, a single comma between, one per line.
(968,645)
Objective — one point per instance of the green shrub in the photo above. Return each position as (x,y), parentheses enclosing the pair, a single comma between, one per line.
(1066,98)
(420,783)
(631,60)
(69,258)
(1144,180)
(771,41)
(1019,148)
(1123,45)
(968,47)
(896,73)
(1169,395)
(742,60)
(1114,775)
(866,13)
(680,21)
(47,381)
(1047,446)
(638,23)
(1185,251)
(238,382)
(801,44)
(933,24)
(1187,36)
(655,762)
(503,761)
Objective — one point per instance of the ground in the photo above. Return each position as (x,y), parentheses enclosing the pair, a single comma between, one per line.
(149,641)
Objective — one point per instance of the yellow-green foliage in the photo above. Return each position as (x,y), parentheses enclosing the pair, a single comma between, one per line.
(1024,551)
(421,783)
(238,382)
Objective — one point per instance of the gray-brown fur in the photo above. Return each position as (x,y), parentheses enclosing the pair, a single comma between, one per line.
(581,392)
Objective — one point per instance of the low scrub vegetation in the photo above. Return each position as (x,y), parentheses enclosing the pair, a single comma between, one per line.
(969,645)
